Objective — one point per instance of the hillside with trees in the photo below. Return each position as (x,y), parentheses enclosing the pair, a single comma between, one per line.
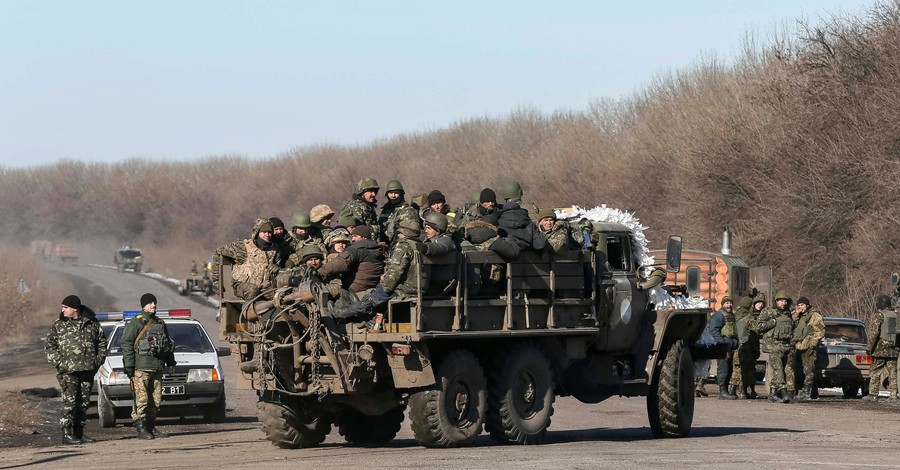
(795,145)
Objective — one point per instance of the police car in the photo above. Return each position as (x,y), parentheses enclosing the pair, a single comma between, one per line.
(197,383)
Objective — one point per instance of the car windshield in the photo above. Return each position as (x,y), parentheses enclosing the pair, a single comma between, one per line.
(107,329)
(188,338)
(847,333)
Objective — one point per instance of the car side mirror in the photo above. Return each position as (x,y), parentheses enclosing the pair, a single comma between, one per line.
(223,351)
(673,254)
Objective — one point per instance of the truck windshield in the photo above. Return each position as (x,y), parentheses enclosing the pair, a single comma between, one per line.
(188,338)
(846,333)
(129,253)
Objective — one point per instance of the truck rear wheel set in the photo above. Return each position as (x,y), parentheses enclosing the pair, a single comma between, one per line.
(521,396)
(292,425)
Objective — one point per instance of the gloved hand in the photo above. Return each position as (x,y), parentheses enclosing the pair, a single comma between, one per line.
(129,371)
(421,247)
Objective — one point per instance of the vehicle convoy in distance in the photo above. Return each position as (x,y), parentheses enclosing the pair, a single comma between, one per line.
(461,356)
(196,385)
(128,258)
(66,253)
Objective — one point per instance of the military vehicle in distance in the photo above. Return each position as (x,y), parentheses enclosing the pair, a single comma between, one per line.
(197,282)
(66,253)
(128,258)
(461,359)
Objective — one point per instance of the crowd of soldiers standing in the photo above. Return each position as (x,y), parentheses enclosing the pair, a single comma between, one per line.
(363,255)
(790,335)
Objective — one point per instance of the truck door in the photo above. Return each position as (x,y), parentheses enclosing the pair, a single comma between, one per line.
(620,319)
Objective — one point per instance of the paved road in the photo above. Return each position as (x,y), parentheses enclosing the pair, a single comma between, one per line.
(829,433)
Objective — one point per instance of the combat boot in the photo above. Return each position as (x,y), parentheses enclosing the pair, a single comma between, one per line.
(803,395)
(751,393)
(700,389)
(79,433)
(142,432)
(739,392)
(873,397)
(724,395)
(68,436)
(150,423)
(786,396)
(773,396)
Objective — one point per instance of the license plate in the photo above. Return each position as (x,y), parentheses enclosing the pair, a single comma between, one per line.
(173,390)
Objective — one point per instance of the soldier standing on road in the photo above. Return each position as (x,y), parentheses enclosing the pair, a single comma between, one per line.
(254,262)
(721,327)
(76,346)
(147,350)
(363,206)
(809,330)
(741,317)
(883,348)
(777,327)
(748,351)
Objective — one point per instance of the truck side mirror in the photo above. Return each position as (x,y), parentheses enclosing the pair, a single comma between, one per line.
(673,254)
(895,278)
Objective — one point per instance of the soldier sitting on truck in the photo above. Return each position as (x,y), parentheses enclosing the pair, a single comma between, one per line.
(518,227)
(303,233)
(254,261)
(281,240)
(360,266)
(556,231)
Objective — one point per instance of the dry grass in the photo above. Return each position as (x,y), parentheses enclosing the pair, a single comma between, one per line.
(26,314)
(17,415)
(795,145)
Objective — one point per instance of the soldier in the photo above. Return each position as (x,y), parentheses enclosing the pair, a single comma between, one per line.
(656,277)
(777,328)
(312,256)
(395,210)
(282,242)
(363,206)
(721,327)
(748,351)
(487,204)
(320,216)
(557,232)
(741,318)
(147,350)
(337,241)
(883,349)
(254,262)
(512,193)
(305,234)
(360,266)
(809,330)
(76,346)
(437,242)
(515,224)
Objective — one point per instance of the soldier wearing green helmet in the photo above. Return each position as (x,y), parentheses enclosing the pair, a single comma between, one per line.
(395,210)
(777,328)
(303,233)
(363,205)
(512,193)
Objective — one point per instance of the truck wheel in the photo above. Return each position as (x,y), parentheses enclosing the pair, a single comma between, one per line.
(294,427)
(359,428)
(105,411)
(670,401)
(137,268)
(520,397)
(216,413)
(451,412)
(850,391)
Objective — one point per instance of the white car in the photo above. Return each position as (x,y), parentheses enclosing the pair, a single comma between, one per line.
(197,383)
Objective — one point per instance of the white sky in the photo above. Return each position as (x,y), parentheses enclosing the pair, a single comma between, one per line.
(110,80)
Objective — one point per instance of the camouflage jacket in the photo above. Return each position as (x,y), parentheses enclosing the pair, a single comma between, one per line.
(294,258)
(809,330)
(558,237)
(879,347)
(398,214)
(775,329)
(154,349)
(364,212)
(399,273)
(76,345)
(259,262)
(476,212)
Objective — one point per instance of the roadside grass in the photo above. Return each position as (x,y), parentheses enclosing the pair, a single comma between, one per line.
(17,414)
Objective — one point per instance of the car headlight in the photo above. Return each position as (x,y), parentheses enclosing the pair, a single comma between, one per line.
(203,375)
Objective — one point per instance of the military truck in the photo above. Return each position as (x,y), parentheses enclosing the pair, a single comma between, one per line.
(197,282)
(128,258)
(461,358)
(66,253)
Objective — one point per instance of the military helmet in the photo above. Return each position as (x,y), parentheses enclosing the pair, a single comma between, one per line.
(300,219)
(394,185)
(512,190)
(310,251)
(337,235)
(546,213)
(782,295)
(745,302)
(437,221)
(320,212)
(409,227)
(366,184)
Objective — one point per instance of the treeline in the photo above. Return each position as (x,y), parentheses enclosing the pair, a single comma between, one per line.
(795,146)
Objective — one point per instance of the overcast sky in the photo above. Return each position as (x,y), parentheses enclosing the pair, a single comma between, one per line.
(106,81)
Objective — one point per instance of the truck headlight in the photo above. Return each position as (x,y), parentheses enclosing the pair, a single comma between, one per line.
(203,375)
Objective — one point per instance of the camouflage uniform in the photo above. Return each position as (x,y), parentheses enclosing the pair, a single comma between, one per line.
(77,348)
(777,327)
(884,355)
(395,215)
(153,352)
(808,333)
(741,317)
(357,208)
(311,240)
(558,237)
(746,320)
(398,275)
(254,264)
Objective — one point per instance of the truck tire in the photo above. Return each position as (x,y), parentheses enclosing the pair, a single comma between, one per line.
(670,401)
(850,390)
(520,396)
(359,428)
(295,426)
(106,414)
(451,412)
(137,268)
